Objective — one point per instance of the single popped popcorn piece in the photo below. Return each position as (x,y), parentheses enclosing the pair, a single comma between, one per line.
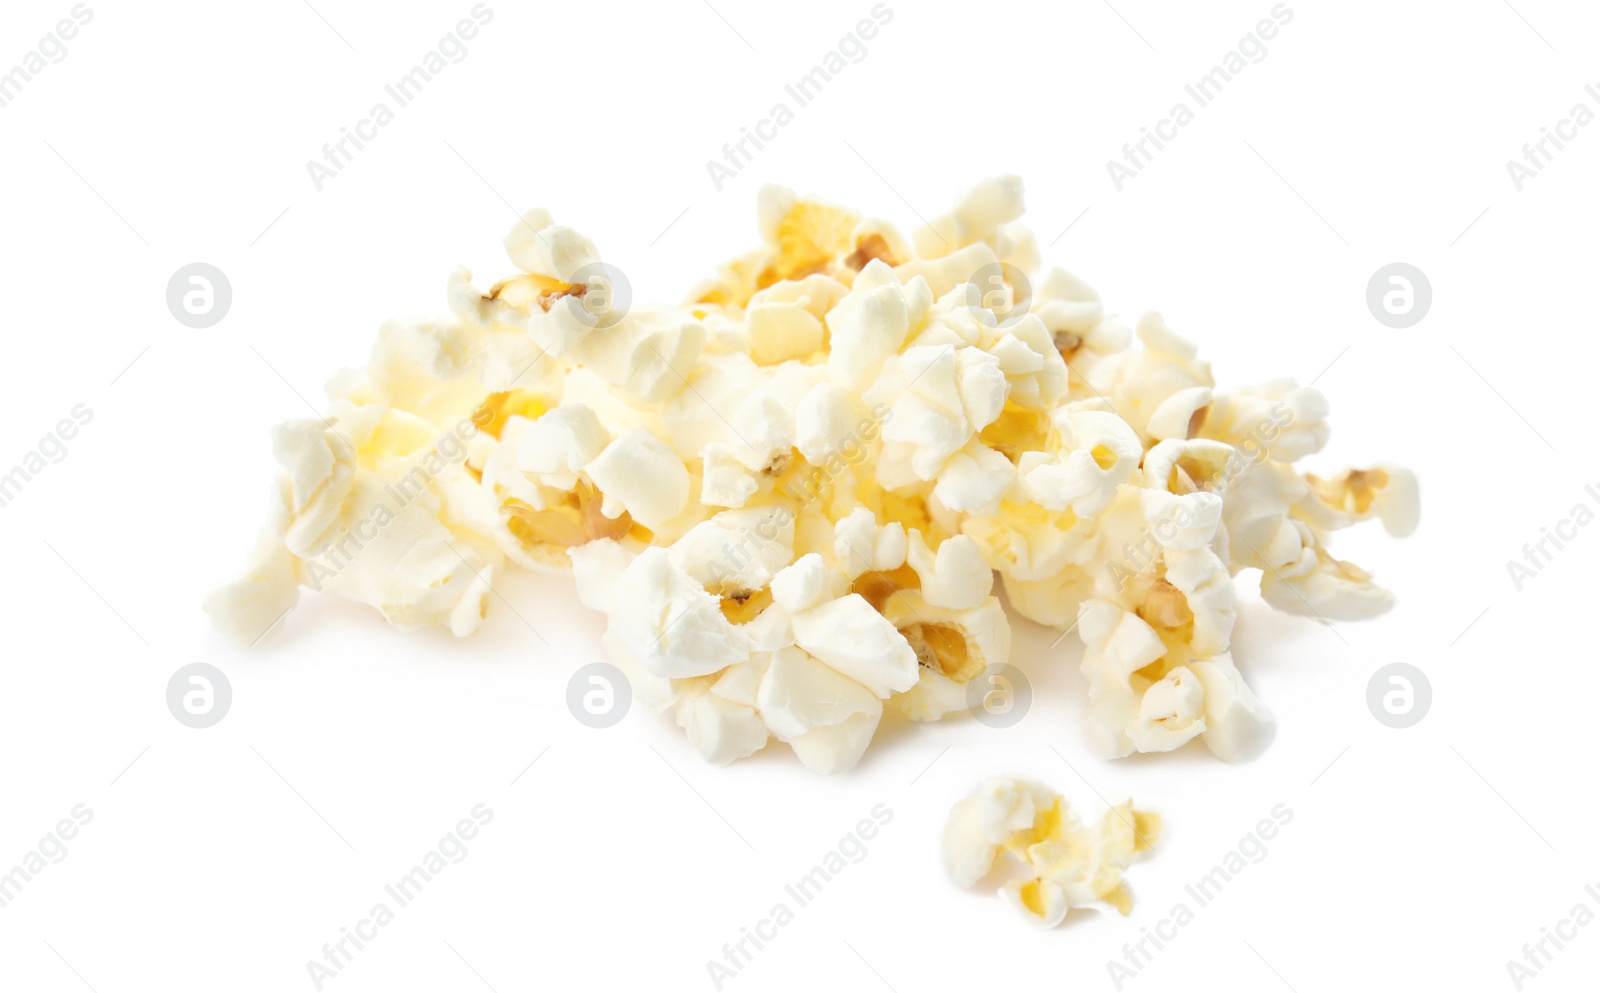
(952,275)
(1096,452)
(1056,863)
(871,323)
(668,621)
(376,507)
(953,647)
(956,576)
(539,246)
(1140,383)
(638,474)
(719,712)
(737,552)
(1182,489)
(1150,669)
(851,637)
(560,444)
(979,214)
(596,567)
(785,319)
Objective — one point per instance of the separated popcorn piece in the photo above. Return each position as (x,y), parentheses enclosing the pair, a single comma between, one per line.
(980,215)
(1050,861)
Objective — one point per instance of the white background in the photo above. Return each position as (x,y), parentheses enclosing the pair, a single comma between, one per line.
(225,858)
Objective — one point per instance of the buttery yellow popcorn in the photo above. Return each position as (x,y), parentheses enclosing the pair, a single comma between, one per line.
(791,494)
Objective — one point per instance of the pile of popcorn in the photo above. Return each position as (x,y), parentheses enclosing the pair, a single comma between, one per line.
(790,494)
(1048,861)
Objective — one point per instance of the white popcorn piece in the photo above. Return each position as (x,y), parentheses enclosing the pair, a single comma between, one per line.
(1182,489)
(1318,585)
(950,272)
(826,717)
(785,320)
(638,474)
(952,646)
(1280,420)
(871,323)
(737,551)
(245,609)
(561,443)
(1098,452)
(1057,863)
(538,246)
(803,584)
(1139,383)
(956,576)
(974,479)
(979,213)
(670,624)
(848,635)
(1183,623)
(596,568)
(721,717)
